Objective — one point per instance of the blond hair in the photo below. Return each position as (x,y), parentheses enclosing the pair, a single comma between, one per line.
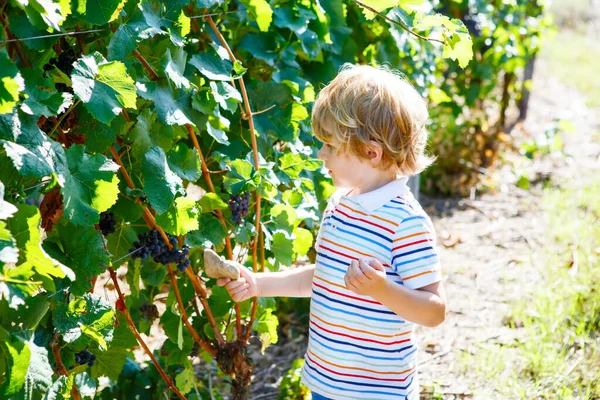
(364,104)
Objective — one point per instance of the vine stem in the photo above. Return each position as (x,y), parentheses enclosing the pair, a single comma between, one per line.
(149,218)
(211,187)
(257,197)
(137,335)
(184,317)
(400,24)
(61,367)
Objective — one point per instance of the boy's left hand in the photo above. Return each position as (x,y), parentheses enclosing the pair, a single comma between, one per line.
(365,277)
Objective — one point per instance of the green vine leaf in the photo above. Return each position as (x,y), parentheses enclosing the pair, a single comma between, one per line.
(32,152)
(103,86)
(260,11)
(180,218)
(91,186)
(99,12)
(212,65)
(211,202)
(79,248)
(160,182)
(83,319)
(17,353)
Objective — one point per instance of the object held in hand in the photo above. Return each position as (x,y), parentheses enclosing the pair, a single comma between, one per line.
(217,267)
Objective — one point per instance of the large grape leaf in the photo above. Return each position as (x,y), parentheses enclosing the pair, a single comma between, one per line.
(11,83)
(174,67)
(260,11)
(160,182)
(99,12)
(212,65)
(25,227)
(185,162)
(17,354)
(170,107)
(39,373)
(46,14)
(79,248)
(103,86)
(148,132)
(109,363)
(9,252)
(91,186)
(42,99)
(90,317)
(32,152)
(180,218)
(211,233)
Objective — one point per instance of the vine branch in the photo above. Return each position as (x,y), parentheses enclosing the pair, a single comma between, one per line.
(137,335)
(257,196)
(61,367)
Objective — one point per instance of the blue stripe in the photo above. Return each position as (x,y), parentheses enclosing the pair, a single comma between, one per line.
(397,208)
(370,357)
(374,385)
(396,321)
(360,237)
(413,217)
(400,202)
(359,346)
(387,239)
(333,259)
(416,259)
(353,305)
(408,253)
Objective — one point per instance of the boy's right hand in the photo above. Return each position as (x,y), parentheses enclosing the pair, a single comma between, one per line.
(243,288)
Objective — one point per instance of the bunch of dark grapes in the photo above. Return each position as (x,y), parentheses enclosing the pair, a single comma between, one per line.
(195,350)
(149,311)
(152,244)
(239,207)
(85,357)
(64,62)
(107,223)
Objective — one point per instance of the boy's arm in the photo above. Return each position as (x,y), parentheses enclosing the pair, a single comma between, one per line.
(295,282)
(425,306)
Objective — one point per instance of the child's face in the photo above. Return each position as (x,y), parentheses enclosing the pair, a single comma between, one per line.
(346,170)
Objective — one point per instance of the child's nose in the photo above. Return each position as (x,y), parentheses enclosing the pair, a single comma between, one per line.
(321,154)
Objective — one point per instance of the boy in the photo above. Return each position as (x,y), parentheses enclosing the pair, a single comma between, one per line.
(377,272)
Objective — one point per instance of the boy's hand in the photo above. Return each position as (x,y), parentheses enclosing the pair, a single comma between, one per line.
(243,288)
(365,277)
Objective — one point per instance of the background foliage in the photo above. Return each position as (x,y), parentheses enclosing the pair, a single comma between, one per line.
(145,116)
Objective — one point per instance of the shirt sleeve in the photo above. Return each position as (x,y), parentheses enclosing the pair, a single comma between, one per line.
(414,255)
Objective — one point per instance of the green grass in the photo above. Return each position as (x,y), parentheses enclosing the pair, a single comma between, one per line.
(574,59)
(559,355)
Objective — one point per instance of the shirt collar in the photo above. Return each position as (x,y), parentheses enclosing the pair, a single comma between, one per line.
(375,199)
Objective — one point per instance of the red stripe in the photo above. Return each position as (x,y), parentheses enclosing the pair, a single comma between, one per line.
(360,338)
(346,295)
(368,222)
(346,255)
(411,244)
(358,376)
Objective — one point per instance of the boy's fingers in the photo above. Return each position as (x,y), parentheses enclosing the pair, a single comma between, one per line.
(239,289)
(223,281)
(235,284)
(367,270)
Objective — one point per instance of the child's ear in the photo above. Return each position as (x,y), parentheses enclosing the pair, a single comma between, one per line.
(374,153)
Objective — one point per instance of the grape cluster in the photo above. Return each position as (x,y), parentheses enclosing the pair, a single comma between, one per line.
(149,311)
(64,62)
(107,223)
(152,244)
(239,207)
(85,357)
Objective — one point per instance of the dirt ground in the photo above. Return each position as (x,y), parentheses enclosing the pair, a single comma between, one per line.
(486,245)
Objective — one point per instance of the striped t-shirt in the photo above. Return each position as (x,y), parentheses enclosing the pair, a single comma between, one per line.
(357,347)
